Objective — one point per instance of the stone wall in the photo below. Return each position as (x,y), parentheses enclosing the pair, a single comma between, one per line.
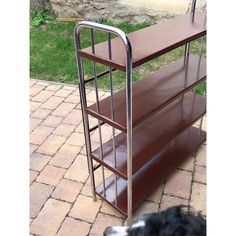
(115,10)
(38,4)
(174,6)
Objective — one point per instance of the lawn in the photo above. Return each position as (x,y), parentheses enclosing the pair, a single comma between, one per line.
(52,54)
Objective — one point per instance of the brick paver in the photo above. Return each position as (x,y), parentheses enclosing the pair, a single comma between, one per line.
(168,201)
(64,129)
(38,161)
(106,134)
(102,221)
(76,139)
(200,174)
(33,147)
(201,156)
(80,128)
(73,99)
(87,186)
(63,109)
(43,96)
(78,170)
(50,218)
(41,113)
(91,96)
(52,121)
(198,197)
(39,134)
(67,190)
(179,184)
(51,145)
(74,118)
(108,209)
(33,175)
(65,156)
(146,207)
(156,195)
(72,227)
(43,83)
(188,164)
(70,87)
(81,211)
(86,190)
(35,89)
(34,122)
(39,193)
(92,121)
(53,87)
(34,105)
(32,82)
(60,188)
(63,93)
(52,102)
(51,175)
(76,92)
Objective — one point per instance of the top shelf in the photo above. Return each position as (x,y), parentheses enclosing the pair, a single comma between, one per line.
(149,42)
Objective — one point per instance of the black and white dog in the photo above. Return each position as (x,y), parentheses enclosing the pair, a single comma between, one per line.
(172,222)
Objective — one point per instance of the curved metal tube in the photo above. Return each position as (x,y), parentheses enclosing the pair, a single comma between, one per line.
(127,45)
(105,28)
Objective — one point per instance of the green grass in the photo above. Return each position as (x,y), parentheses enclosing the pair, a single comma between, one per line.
(52,55)
(52,51)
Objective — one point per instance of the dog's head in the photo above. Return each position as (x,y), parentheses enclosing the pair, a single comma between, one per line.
(172,222)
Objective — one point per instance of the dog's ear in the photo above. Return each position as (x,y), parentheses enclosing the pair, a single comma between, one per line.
(176,210)
(177,221)
(172,214)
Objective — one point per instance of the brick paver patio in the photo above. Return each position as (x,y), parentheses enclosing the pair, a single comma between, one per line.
(60,198)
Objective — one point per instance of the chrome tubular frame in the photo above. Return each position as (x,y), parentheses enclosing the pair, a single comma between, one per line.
(122,36)
(193,8)
(85,116)
(192,14)
(98,109)
(112,112)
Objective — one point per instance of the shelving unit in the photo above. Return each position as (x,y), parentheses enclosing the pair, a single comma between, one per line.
(154,116)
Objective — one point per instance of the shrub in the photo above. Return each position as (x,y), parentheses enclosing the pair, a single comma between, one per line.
(39,17)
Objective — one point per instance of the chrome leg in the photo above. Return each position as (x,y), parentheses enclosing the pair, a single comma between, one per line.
(200,49)
(98,110)
(192,14)
(85,116)
(112,112)
(186,52)
(129,132)
(200,131)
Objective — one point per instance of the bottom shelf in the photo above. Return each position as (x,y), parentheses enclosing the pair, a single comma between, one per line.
(147,179)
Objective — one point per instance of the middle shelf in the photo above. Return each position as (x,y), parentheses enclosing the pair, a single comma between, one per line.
(153,134)
(153,93)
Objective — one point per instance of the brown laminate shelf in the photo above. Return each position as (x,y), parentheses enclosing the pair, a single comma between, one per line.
(152,135)
(150,42)
(154,173)
(153,93)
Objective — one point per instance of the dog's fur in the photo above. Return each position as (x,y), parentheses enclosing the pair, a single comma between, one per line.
(172,222)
